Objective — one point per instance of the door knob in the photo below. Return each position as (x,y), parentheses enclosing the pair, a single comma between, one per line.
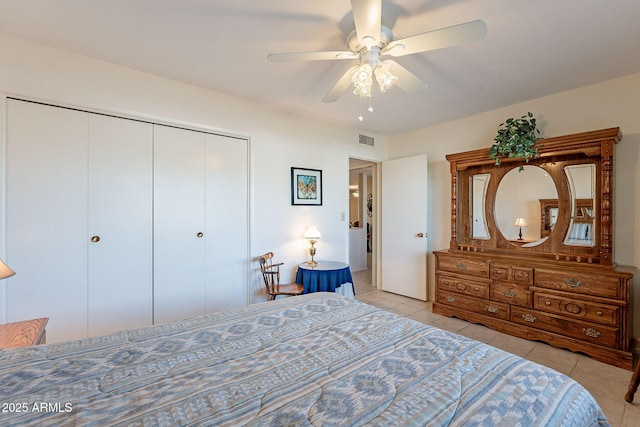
(200,234)
(420,235)
(95,239)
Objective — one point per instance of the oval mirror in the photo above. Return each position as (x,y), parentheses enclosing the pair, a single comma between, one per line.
(517,204)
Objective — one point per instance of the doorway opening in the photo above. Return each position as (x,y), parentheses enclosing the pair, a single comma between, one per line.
(362,224)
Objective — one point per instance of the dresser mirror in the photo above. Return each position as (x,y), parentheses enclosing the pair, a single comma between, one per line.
(478,184)
(581,181)
(558,205)
(518,196)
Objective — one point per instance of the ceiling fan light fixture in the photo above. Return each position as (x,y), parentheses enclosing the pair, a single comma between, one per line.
(385,79)
(362,80)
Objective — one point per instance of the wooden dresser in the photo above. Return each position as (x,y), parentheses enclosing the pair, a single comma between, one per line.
(584,308)
(23,334)
(563,286)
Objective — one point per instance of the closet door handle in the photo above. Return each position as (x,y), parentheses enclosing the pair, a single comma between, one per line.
(95,239)
(200,234)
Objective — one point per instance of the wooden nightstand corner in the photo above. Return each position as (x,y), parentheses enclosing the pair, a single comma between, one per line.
(24,333)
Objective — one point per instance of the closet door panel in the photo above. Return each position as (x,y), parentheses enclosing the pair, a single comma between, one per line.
(120,224)
(179,233)
(227,222)
(46,217)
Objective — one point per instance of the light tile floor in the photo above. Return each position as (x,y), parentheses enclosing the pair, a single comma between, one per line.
(606,383)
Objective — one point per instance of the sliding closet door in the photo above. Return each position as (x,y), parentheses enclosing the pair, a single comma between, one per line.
(79,220)
(46,217)
(227,222)
(200,223)
(120,224)
(179,225)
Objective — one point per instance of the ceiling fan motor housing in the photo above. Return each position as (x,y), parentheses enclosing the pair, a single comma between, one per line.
(354,45)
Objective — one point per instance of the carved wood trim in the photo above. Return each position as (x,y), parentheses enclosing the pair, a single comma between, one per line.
(586,147)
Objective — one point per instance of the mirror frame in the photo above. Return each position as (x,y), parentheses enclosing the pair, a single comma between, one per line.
(556,153)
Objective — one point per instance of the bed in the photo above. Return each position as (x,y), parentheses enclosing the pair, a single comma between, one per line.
(317,359)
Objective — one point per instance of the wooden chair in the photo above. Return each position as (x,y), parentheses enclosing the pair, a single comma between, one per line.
(271,276)
(635,379)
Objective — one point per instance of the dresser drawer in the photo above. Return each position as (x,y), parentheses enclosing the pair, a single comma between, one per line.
(463,266)
(585,331)
(594,285)
(476,305)
(511,273)
(463,286)
(511,293)
(593,312)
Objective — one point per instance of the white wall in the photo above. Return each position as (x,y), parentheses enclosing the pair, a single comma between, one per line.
(278,141)
(604,105)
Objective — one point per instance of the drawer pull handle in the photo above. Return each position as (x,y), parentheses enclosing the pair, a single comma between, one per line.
(599,313)
(529,318)
(590,332)
(510,293)
(450,298)
(491,309)
(477,289)
(574,283)
(461,266)
(547,302)
(520,274)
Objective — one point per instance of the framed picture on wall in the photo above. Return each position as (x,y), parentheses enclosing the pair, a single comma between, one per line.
(306,186)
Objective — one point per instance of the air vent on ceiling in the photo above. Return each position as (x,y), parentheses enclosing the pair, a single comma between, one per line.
(366,140)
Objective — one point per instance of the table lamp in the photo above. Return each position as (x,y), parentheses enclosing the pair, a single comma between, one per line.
(5,271)
(313,234)
(520,222)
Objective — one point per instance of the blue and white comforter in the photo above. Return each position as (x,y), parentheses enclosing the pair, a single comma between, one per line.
(316,359)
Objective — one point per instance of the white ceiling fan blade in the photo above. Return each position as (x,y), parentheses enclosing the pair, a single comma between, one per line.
(445,37)
(407,81)
(311,56)
(367,15)
(341,86)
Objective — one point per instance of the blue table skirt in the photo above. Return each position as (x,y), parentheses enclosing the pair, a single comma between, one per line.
(323,280)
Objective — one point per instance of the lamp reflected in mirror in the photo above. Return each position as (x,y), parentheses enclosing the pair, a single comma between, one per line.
(520,222)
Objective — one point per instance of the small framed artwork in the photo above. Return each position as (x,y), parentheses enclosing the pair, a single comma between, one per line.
(306,186)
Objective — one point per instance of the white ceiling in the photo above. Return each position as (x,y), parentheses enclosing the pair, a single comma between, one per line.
(533,48)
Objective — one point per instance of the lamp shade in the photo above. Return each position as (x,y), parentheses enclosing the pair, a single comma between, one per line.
(5,271)
(312,233)
(520,222)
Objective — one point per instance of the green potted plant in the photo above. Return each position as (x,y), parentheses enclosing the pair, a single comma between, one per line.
(516,138)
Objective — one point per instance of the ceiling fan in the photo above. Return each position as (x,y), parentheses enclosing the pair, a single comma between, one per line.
(371,40)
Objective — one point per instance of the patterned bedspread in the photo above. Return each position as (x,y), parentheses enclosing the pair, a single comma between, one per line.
(317,359)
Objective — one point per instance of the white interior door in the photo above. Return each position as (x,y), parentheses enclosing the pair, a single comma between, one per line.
(179,208)
(46,217)
(120,224)
(404,226)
